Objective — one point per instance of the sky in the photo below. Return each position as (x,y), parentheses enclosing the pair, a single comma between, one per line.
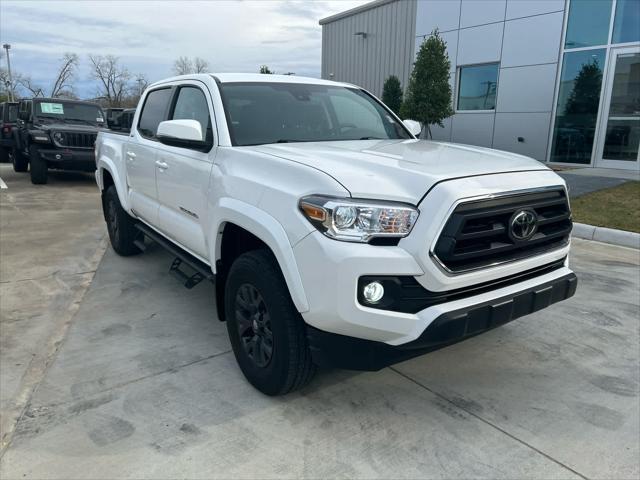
(147,36)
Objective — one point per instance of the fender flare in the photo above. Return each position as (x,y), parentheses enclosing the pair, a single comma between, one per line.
(108,165)
(267,229)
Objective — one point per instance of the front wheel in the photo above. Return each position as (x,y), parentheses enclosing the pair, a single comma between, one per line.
(20,162)
(266,331)
(120,225)
(39,171)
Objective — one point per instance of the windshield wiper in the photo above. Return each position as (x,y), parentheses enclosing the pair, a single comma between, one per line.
(371,138)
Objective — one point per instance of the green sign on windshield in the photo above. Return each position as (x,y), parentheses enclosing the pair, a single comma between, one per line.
(55,108)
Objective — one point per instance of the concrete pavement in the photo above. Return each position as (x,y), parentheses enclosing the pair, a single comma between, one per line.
(143,385)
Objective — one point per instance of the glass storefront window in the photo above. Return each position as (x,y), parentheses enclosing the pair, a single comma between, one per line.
(623,125)
(577,107)
(626,25)
(588,23)
(478,87)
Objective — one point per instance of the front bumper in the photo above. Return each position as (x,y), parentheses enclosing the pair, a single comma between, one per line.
(447,328)
(330,271)
(67,159)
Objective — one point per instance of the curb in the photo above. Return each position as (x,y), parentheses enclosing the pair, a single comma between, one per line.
(606,235)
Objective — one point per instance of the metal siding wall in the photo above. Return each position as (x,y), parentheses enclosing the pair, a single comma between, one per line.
(369,61)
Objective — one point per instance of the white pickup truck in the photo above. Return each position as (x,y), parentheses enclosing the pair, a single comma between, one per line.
(333,235)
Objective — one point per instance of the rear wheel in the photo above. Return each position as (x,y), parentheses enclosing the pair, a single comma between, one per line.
(266,331)
(20,162)
(120,225)
(4,154)
(39,171)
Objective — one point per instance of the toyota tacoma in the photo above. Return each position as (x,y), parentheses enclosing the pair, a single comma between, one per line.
(334,237)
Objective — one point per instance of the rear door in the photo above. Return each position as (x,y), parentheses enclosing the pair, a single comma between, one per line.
(140,154)
(183,174)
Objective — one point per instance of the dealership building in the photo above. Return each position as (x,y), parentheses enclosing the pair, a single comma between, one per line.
(557,80)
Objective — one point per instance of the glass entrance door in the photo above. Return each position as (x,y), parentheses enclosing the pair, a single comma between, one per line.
(619,137)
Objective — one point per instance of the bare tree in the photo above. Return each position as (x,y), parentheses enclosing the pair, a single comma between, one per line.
(182,66)
(62,87)
(112,77)
(200,65)
(28,84)
(186,65)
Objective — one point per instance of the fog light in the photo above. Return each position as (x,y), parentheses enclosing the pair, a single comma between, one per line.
(373,292)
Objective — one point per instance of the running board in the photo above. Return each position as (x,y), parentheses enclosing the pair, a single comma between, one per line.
(197,270)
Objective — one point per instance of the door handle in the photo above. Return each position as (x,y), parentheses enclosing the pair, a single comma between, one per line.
(161,165)
(131,155)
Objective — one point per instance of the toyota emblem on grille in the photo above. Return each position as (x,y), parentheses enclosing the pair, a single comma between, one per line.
(524,224)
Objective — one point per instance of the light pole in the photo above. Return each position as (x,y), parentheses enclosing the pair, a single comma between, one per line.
(6,46)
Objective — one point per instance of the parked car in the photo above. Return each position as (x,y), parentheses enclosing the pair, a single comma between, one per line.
(8,116)
(111,116)
(122,121)
(56,133)
(333,235)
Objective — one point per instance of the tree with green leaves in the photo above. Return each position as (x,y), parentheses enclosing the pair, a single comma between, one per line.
(265,69)
(585,94)
(428,96)
(392,94)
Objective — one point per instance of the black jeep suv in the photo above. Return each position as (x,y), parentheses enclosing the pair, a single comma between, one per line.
(56,133)
(8,116)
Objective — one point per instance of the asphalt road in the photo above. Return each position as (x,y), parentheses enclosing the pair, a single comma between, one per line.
(133,375)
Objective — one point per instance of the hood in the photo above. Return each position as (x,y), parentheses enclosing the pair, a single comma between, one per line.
(400,170)
(66,127)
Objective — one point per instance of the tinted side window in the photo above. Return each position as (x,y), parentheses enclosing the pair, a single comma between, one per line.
(153,111)
(192,105)
(12,113)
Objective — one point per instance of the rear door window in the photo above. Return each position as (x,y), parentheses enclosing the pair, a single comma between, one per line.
(153,112)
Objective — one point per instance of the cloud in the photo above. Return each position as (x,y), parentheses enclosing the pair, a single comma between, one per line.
(149,36)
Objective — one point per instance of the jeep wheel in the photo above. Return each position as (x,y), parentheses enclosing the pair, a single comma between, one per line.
(120,225)
(38,170)
(266,331)
(20,162)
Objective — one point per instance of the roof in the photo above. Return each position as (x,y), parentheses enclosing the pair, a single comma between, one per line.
(253,77)
(353,11)
(259,77)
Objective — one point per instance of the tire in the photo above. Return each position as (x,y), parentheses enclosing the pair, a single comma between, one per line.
(120,225)
(266,331)
(20,162)
(4,155)
(39,170)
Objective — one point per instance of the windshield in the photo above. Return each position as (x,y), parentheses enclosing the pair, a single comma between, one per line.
(259,113)
(69,112)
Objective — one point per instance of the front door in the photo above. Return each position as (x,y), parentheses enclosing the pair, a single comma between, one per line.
(183,176)
(619,137)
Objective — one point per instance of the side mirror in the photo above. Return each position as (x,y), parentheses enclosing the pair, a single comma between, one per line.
(181,133)
(414,127)
(24,115)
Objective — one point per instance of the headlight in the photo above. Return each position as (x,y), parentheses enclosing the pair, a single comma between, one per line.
(59,137)
(358,220)
(42,138)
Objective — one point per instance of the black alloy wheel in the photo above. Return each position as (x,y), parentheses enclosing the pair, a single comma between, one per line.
(254,325)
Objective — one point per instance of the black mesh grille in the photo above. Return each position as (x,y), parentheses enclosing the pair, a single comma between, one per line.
(77,140)
(477,233)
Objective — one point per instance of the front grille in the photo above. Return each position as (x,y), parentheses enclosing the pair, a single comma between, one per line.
(75,140)
(478,232)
